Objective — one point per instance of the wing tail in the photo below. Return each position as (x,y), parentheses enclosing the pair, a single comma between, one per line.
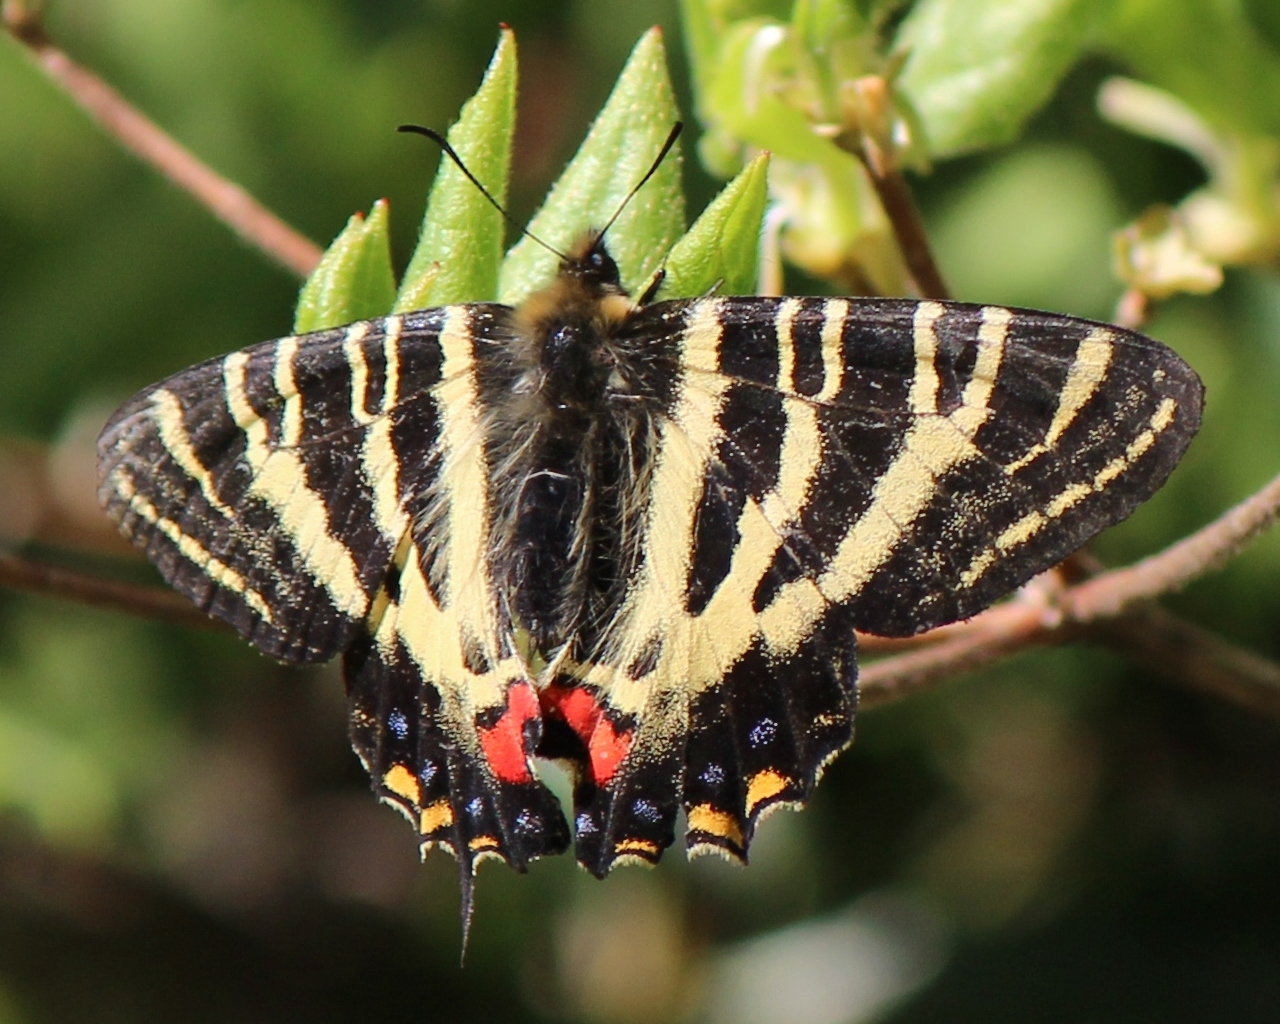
(441,774)
(728,755)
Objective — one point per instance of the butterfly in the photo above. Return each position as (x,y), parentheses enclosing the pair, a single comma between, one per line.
(633,536)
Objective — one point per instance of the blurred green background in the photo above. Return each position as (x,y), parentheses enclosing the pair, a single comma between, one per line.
(184,832)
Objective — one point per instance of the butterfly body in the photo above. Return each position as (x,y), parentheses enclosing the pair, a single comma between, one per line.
(570,401)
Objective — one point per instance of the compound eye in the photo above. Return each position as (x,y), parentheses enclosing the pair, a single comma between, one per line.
(602,267)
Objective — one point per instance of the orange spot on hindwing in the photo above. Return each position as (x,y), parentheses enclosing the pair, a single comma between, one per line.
(606,744)
(508,742)
(716,824)
(764,786)
(403,783)
(438,816)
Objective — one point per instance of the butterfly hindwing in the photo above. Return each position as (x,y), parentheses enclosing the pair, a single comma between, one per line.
(452,793)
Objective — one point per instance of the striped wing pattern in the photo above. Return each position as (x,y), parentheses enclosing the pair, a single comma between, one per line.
(317,493)
(832,464)
(820,465)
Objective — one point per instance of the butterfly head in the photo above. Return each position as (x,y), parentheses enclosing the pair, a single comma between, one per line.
(588,262)
(586,290)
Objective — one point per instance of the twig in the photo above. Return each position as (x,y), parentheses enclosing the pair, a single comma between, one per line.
(231,204)
(866,132)
(1157,639)
(1196,658)
(1106,596)
(54,581)
(908,228)
(1109,609)
(982,640)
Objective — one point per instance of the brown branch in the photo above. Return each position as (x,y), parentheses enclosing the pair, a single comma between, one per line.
(866,132)
(54,581)
(227,201)
(900,207)
(1194,657)
(984,639)
(1111,609)
(1162,642)
(1106,596)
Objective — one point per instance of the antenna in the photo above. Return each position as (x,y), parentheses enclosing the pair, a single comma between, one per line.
(674,134)
(449,151)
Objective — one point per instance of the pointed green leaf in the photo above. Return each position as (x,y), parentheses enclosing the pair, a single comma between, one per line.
(723,246)
(353,280)
(619,149)
(460,246)
(977,69)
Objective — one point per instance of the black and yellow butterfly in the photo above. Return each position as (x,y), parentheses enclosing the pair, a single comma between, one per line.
(637,537)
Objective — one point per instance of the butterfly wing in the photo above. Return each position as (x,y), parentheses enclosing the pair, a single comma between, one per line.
(316,493)
(826,465)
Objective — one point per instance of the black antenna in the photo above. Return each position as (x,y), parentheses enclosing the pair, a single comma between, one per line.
(676,129)
(449,151)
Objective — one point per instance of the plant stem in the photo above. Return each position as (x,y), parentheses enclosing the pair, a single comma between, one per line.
(227,201)
(55,581)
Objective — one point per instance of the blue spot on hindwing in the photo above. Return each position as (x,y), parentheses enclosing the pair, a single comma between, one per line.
(647,811)
(762,732)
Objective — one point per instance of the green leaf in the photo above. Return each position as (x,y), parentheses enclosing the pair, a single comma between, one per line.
(705,23)
(618,150)
(819,23)
(460,246)
(723,246)
(1206,52)
(354,279)
(977,69)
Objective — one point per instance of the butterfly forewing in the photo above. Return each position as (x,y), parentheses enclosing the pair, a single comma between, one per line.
(940,454)
(254,483)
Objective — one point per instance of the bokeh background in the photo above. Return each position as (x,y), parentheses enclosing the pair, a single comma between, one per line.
(184,832)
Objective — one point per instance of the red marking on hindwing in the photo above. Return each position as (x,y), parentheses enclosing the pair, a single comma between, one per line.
(606,745)
(504,743)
